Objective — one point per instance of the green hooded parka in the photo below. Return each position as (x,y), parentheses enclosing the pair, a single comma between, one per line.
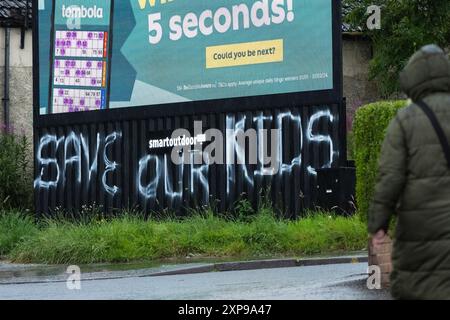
(414,183)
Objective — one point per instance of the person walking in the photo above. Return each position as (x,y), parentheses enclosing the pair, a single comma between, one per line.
(413,183)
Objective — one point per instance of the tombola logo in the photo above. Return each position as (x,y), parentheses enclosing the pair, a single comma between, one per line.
(74,12)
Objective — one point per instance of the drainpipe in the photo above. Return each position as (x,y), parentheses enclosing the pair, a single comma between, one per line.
(25,26)
(6,80)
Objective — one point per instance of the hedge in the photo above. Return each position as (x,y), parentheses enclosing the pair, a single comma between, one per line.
(370,124)
(15,171)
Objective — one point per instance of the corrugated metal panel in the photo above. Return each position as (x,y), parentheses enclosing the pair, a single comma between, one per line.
(108,164)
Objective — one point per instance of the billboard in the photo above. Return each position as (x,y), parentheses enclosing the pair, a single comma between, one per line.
(112,79)
(106,54)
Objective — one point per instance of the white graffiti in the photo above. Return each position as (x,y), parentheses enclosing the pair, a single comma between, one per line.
(45,163)
(168,186)
(75,145)
(318,138)
(111,166)
(153,170)
(161,166)
(73,140)
(91,169)
(149,190)
(201,173)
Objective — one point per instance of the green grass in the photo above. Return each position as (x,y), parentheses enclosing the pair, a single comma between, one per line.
(15,227)
(130,238)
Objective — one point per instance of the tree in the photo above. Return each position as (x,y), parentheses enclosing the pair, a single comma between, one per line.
(406,26)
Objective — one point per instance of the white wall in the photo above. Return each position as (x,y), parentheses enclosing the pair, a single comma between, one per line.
(21,82)
(18,57)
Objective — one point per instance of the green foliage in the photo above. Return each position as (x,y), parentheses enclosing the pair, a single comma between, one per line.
(15,172)
(244,210)
(350,145)
(370,126)
(15,227)
(132,238)
(406,26)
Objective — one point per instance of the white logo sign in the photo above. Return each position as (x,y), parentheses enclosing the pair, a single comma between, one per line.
(74,280)
(73,12)
(374,280)
(374,20)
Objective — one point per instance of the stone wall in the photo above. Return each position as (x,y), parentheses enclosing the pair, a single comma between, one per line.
(357,53)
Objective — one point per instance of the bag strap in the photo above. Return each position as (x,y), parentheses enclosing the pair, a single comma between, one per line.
(437,127)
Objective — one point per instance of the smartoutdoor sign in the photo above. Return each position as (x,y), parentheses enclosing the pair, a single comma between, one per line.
(171,104)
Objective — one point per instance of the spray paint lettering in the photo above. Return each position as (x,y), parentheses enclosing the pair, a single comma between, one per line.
(153,171)
(76,151)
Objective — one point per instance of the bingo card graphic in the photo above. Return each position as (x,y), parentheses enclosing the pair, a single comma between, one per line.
(80,55)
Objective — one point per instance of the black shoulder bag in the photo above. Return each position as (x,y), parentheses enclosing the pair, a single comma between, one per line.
(437,127)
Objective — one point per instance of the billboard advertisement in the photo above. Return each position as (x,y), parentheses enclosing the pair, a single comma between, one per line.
(106,54)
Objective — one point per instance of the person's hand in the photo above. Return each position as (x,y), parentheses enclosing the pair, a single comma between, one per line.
(378,238)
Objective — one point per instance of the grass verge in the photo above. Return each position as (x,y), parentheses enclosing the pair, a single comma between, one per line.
(15,227)
(130,238)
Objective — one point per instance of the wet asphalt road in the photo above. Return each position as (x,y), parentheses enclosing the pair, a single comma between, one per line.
(329,282)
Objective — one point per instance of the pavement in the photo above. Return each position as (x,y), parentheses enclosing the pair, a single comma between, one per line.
(335,278)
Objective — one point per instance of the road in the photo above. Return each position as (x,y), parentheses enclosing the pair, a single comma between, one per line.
(340,281)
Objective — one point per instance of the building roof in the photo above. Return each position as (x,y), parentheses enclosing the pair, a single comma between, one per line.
(13,13)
